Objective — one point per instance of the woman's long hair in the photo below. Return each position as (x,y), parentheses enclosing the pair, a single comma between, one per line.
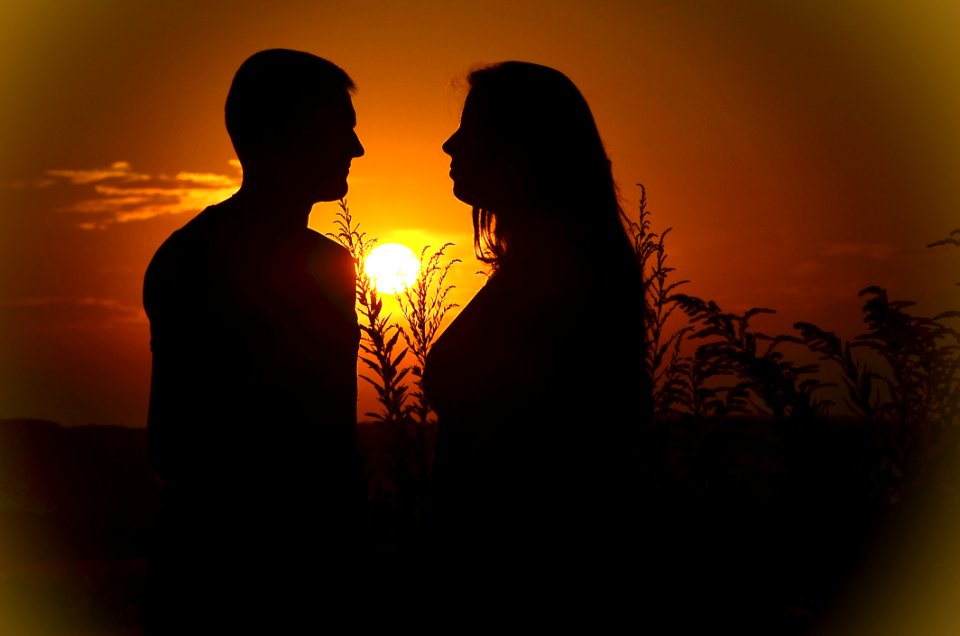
(538,112)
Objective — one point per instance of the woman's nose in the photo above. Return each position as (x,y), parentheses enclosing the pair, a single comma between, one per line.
(447,146)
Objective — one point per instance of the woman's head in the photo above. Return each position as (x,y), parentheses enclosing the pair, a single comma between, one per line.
(528,158)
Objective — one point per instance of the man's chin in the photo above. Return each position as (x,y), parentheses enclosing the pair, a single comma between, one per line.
(332,193)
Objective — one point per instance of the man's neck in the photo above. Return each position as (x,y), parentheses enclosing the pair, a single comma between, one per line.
(271,207)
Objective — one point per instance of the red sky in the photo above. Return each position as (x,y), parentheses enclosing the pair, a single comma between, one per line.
(800,151)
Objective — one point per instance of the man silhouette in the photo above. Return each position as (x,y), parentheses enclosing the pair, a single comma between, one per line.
(252,417)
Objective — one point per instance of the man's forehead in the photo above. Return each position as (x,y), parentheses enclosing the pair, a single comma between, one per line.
(338,106)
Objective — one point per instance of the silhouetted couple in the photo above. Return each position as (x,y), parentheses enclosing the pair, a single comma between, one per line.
(538,383)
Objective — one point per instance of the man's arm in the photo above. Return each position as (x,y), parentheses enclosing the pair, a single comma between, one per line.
(332,269)
(178,372)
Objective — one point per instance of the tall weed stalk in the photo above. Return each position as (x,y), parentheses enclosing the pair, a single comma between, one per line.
(662,361)
(424,306)
(405,417)
(379,351)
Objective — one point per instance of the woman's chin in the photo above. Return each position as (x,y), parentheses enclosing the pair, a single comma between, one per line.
(465,195)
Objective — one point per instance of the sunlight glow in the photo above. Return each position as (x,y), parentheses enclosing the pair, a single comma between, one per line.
(392,267)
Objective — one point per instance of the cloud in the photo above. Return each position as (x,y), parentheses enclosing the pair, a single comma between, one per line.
(117,170)
(118,194)
(23,184)
(206,179)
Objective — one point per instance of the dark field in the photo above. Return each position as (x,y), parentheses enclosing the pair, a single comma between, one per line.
(753,525)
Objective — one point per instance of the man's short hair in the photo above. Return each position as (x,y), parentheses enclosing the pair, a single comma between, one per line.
(273,91)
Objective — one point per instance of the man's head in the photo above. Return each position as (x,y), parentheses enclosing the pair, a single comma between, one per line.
(291,120)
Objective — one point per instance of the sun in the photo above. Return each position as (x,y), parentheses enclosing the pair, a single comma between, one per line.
(392,267)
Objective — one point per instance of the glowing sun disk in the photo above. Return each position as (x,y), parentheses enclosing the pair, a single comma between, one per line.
(392,267)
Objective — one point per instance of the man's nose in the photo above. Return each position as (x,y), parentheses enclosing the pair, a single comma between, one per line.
(357,146)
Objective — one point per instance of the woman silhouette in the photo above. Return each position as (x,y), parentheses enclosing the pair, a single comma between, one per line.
(538,383)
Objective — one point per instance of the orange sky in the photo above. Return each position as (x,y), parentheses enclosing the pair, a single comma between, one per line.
(799,153)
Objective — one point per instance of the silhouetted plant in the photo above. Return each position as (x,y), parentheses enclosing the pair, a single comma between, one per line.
(903,388)
(724,376)
(750,375)
(858,378)
(379,342)
(424,306)
(907,392)
(922,359)
(669,376)
(406,422)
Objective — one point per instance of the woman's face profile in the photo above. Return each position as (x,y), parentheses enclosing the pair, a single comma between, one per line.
(479,166)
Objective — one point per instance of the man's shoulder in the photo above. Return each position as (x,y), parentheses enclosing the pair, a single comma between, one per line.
(323,243)
(182,249)
(190,232)
(330,263)
(328,252)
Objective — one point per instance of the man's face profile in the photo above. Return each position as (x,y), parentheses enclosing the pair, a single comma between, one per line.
(321,145)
